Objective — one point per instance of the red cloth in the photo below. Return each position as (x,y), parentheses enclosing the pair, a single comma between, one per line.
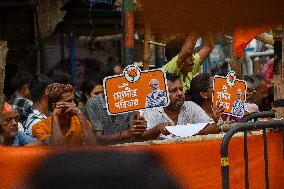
(267,71)
(6,108)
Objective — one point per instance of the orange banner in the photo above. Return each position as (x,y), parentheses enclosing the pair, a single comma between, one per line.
(194,165)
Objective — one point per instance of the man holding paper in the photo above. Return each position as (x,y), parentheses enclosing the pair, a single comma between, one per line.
(179,112)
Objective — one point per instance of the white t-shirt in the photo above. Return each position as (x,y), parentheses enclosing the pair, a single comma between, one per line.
(190,113)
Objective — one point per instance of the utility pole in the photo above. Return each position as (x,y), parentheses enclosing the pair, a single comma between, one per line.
(128,32)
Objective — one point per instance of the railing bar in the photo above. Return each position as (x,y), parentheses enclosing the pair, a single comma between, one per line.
(265,158)
(228,136)
(265,114)
(225,173)
(246,159)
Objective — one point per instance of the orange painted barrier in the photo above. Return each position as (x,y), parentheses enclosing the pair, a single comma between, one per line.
(193,165)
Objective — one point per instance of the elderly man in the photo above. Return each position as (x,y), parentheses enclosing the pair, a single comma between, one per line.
(67,124)
(179,112)
(9,134)
(238,106)
(157,97)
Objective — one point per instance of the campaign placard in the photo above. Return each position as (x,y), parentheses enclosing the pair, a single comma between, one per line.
(230,93)
(135,90)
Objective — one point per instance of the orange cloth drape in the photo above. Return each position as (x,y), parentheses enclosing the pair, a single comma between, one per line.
(243,36)
(193,165)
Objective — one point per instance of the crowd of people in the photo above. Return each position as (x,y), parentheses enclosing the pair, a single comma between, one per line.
(50,111)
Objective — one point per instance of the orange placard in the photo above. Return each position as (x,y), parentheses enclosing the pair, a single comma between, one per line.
(135,90)
(230,93)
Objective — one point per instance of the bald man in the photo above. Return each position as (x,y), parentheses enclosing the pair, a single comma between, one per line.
(9,132)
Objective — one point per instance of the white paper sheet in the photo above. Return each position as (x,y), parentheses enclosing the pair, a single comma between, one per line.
(186,130)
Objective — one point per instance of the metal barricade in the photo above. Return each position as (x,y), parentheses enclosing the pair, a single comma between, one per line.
(244,127)
(256,115)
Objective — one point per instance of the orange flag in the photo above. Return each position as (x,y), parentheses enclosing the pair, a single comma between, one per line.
(243,36)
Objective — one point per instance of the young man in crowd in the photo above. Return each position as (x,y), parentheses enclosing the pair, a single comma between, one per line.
(21,95)
(67,125)
(37,88)
(9,134)
(187,63)
(179,112)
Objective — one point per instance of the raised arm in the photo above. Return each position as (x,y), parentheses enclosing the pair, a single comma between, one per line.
(186,50)
(56,137)
(187,61)
(88,135)
(208,46)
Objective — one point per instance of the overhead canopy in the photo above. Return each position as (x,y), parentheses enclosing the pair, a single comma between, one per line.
(105,22)
(182,16)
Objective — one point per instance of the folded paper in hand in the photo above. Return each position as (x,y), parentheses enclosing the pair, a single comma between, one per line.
(186,130)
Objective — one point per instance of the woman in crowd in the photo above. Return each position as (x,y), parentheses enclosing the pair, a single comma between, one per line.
(91,88)
(201,89)
(250,106)
(67,125)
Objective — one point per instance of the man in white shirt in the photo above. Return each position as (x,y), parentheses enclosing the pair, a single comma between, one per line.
(179,112)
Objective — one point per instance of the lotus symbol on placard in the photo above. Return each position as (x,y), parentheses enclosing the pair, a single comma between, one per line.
(132,73)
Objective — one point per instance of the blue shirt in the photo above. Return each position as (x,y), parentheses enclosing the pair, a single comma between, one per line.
(22,139)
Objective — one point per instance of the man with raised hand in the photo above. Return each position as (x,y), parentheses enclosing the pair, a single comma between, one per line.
(187,63)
